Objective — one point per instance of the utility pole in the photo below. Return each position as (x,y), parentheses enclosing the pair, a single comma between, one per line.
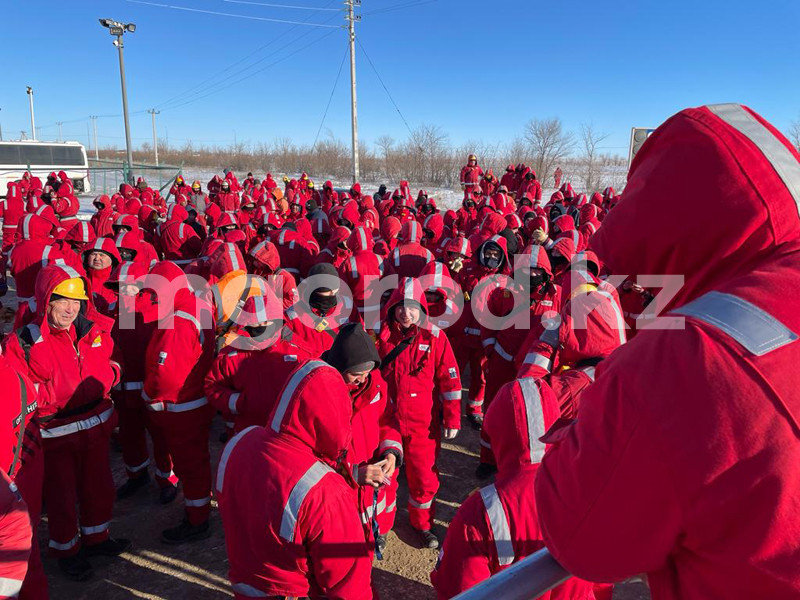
(352,18)
(153,112)
(118,29)
(96,147)
(33,121)
(60,137)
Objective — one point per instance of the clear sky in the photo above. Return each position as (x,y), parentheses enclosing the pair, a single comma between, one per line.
(480,70)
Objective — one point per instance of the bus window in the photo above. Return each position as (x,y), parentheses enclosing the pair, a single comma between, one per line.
(69,156)
(9,155)
(35,155)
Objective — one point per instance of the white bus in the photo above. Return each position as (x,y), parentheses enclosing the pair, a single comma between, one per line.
(42,158)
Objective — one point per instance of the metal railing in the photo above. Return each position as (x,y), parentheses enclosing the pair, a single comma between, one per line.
(525,580)
(105,176)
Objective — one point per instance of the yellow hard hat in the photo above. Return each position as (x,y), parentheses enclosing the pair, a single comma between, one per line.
(71,288)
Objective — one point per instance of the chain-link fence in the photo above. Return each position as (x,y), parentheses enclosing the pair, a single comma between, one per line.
(105,176)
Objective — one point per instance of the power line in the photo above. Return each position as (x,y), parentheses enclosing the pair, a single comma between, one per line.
(333,91)
(272,64)
(222,14)
(200,86)
(388,93)
(279,5)
(398,7)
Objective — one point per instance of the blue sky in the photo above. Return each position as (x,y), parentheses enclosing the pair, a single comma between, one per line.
(480,70)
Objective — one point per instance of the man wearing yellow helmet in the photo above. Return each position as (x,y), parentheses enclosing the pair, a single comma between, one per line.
(471,174)
(68,351)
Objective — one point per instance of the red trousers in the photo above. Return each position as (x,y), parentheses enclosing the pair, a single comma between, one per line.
(77,473)
(468,355)
(186,434)
(29,479)
(420,452)
(498,372)
(135,422)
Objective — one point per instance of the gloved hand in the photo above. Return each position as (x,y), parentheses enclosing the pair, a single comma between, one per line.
(450,434)
(538,236)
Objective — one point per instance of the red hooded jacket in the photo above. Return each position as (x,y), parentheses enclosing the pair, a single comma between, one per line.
(291,521)
(715,515)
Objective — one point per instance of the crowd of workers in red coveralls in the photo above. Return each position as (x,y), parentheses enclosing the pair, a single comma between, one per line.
(157,317)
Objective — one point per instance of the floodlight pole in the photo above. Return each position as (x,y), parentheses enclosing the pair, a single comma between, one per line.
(33,121)
(351,18)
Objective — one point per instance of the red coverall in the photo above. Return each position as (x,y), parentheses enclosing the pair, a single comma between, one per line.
(12,208)
(471,176)
(715,514)
(32,250)
(501,345)
(28,472)
(426,385)
(176,362)
(291,521)
(363,268)
(498,525)
(75,413)
(375,430)
(135,421)
(410,256)
(15,538)
(466,332)
(263,260)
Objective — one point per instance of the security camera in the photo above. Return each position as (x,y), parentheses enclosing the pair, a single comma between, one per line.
(106,22)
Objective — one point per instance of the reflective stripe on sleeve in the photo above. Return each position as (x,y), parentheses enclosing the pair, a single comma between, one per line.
(226,454)
(292,509)
(535,417)
(539,360)
(498,521)
(451,395)
(9,588)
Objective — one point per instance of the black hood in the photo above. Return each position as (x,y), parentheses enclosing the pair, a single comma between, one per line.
(352,347)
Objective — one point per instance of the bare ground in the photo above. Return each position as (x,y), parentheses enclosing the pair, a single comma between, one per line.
(153,570)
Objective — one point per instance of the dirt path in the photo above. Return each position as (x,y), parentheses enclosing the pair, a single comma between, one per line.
(199,571)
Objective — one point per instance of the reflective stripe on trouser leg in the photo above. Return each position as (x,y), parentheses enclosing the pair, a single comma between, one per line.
(187,436)
(422,476)
(386,518)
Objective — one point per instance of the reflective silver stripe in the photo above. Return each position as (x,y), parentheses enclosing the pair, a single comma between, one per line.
(182,261)
(299,492)
(70,544)
(397,257)
(186,406)
(353,267)
(226,454)
(422,505)
(132,385)
(755,329)
(96,529)
(617,313)
(386,444)
(45,255)
(498,521)
(502,353)
(391,507)
(472,331)
(535,417)
(589,372)
(192,318)
(476,403)
(138,468)
(451,395)
(234,398)
(779,156)
(162,474)
(539,360)
(197,503)
(78,425)
(290,389)
(488,342)
(248,590)
(9,588)
(181,228)
(26,227)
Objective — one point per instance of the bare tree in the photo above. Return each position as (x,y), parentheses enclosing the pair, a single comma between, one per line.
(794,133)
(386,145)
(590,140)
(548,143)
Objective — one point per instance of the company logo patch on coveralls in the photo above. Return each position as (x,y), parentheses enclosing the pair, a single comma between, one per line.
(453,373)
(376,398)
(98,341)
(162,358)
(424,347)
